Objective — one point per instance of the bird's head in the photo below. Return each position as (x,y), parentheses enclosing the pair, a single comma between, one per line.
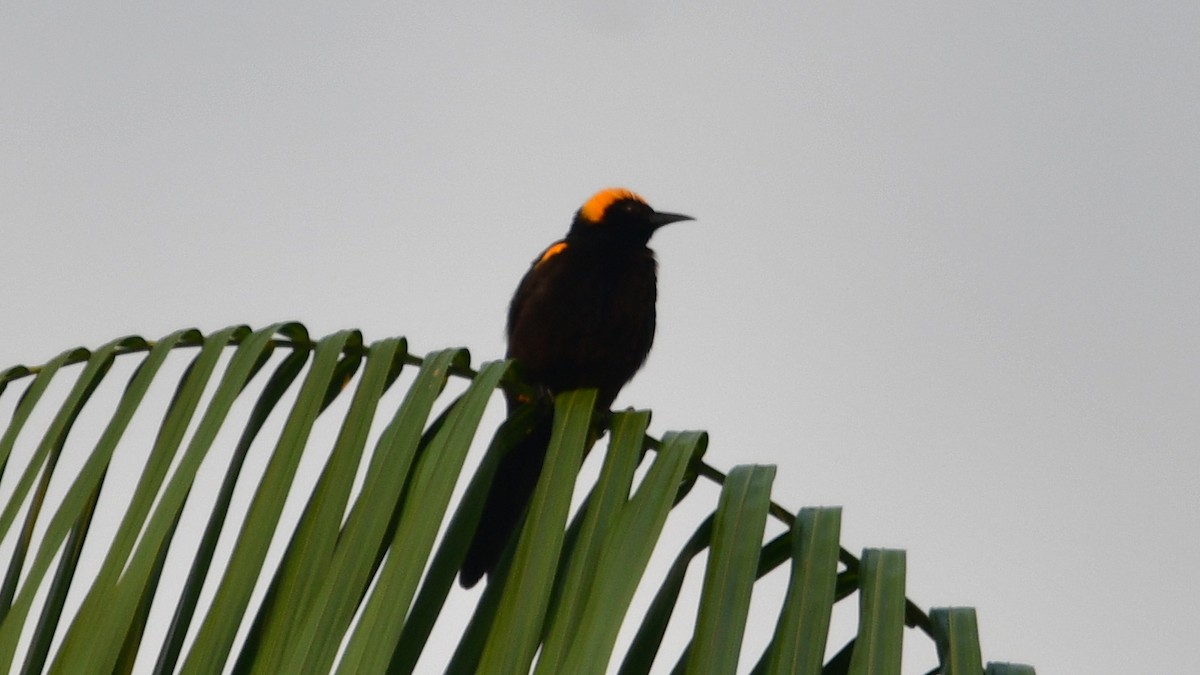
(616,214)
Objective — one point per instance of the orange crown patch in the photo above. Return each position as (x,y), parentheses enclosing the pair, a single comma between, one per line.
(593,210)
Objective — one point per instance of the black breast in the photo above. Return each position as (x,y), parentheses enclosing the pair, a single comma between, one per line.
(581,320)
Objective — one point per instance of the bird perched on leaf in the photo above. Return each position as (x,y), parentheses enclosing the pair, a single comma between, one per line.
(582,317)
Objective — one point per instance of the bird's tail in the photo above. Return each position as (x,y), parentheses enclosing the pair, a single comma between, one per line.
(512,488)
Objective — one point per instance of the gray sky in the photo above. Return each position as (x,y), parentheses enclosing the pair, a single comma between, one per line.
(943,272)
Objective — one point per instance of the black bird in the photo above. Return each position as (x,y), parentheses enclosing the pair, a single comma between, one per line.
(582,317)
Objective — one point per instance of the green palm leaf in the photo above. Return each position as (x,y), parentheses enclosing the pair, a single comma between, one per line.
(362,574)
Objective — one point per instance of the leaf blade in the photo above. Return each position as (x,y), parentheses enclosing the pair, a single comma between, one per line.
(732,569)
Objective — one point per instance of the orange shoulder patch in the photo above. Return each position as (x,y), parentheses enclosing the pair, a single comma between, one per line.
(549,253)
(593,209)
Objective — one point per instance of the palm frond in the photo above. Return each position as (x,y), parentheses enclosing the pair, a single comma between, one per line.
(163,568)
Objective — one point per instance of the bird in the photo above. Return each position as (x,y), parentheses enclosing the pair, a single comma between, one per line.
(583,316)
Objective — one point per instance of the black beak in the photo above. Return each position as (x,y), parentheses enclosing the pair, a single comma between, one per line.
(658,219)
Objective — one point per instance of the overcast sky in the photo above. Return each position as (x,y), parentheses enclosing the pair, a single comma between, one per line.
(943,272)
